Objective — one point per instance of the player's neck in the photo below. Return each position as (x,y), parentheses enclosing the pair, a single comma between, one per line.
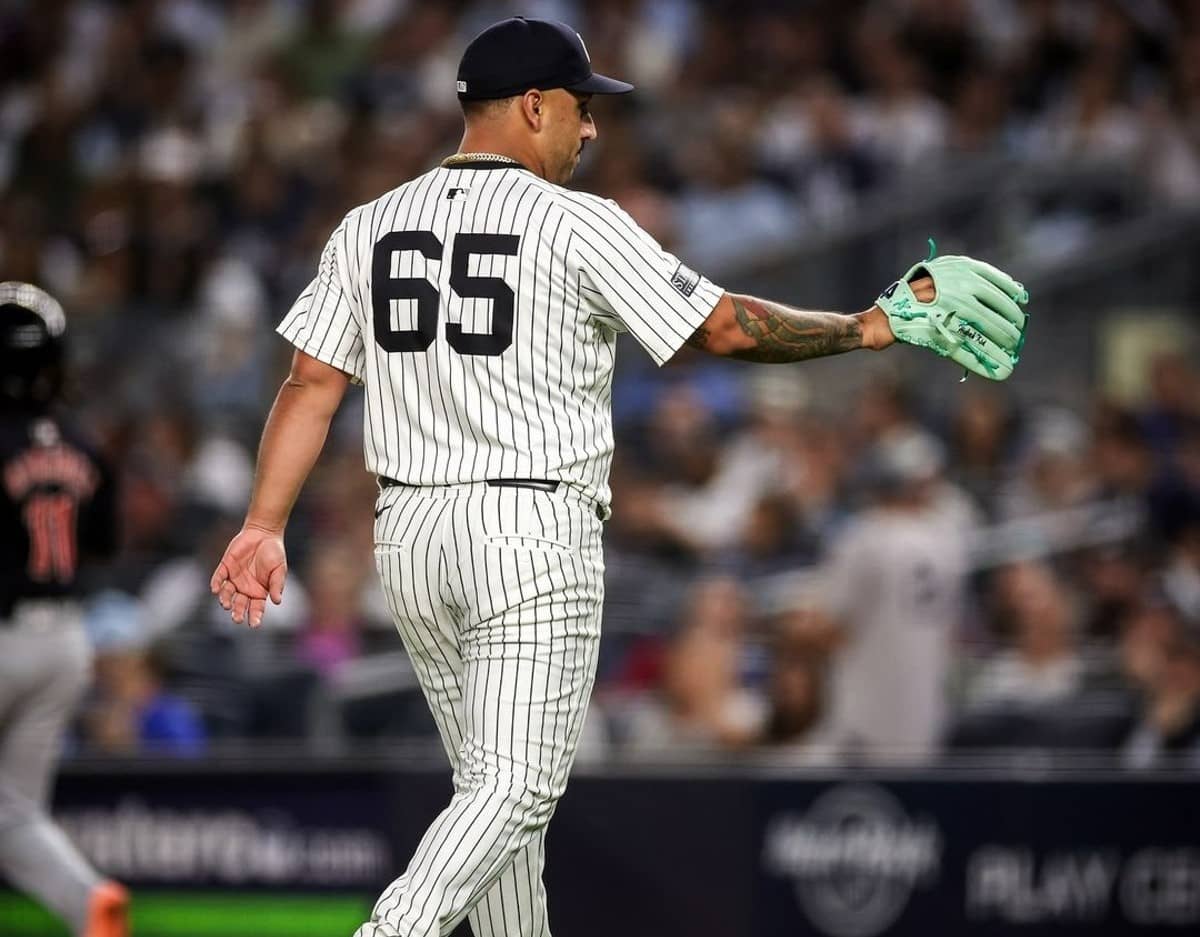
(497,145)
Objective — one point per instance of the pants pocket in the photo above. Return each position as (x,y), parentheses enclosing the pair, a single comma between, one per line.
(526,542)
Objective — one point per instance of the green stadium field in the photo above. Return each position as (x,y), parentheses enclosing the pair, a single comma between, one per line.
(208,914)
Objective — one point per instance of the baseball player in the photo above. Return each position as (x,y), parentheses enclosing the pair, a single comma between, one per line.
(479,305)
(56,507)
(895,585)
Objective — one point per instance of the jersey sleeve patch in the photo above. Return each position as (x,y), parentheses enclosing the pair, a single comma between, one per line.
(685,279)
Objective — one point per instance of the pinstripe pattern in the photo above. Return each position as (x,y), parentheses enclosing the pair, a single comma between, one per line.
(497,594)
(584,272)
(495,591)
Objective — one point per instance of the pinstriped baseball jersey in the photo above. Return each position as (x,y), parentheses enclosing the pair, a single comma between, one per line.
(479,305)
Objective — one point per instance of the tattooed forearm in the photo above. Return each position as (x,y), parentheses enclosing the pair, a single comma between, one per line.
(699,338)
(782,334)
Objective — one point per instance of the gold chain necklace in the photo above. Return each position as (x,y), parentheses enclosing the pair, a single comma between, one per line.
(459,158)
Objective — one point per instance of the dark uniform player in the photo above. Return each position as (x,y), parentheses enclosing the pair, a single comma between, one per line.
(56,507)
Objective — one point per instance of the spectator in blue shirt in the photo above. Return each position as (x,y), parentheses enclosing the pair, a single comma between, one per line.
(131,710)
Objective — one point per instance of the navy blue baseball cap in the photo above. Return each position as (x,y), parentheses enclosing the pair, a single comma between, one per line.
(514,55)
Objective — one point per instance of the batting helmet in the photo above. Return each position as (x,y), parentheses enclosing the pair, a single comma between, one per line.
(32,329)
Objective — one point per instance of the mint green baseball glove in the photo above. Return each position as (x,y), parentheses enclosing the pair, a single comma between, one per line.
(975,317)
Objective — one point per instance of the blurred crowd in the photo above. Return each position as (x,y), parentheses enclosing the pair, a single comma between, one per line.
(885,579)
(869,578)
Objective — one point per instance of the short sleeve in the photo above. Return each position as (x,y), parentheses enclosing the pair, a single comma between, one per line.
(322,321)
(635,285)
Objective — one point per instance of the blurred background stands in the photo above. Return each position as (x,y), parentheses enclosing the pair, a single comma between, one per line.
(170,169)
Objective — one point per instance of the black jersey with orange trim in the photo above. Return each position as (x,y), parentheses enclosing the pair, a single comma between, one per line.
(57,506)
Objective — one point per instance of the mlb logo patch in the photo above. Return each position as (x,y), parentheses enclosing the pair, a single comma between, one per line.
(685,280)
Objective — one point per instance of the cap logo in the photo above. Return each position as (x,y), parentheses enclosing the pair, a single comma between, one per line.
(585,51)
(462,87)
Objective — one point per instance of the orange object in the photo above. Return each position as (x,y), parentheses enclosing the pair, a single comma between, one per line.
(108,911)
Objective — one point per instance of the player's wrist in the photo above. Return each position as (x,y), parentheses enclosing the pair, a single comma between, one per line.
(265,525)
(876,332)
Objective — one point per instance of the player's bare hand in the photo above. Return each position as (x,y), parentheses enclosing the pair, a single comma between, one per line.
(253,568)
(923,289)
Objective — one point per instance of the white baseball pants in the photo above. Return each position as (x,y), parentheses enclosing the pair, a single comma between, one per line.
(497,594)
(45,667)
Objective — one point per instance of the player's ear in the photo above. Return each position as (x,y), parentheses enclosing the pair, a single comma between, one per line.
(532,106)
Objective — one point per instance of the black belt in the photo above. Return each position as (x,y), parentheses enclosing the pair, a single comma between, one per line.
(537,484)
